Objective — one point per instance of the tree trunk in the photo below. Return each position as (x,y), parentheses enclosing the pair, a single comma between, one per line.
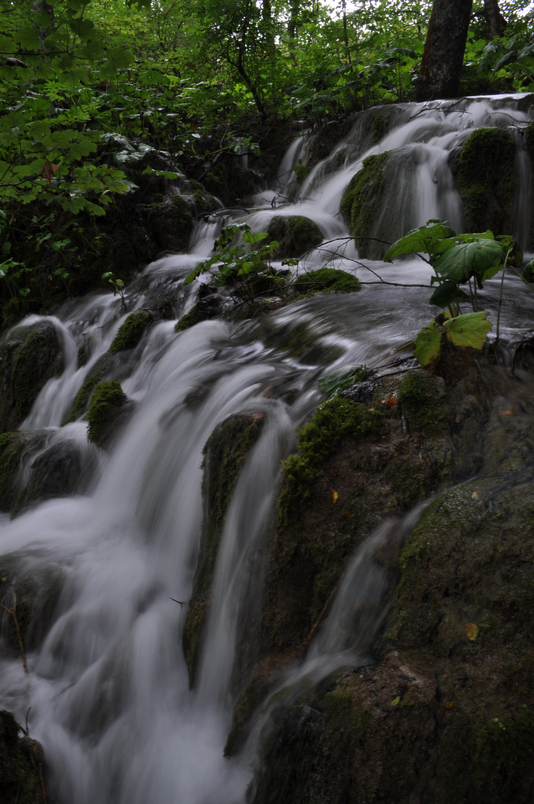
(494,18)
(439,74)
(40,8)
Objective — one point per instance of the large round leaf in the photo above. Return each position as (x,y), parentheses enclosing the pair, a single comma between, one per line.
(468,259)
(468,331)
(428,344)
(425,239)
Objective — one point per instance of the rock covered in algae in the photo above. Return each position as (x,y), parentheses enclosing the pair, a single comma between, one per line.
(225,453)
(108,411)
(485,180)
(29,357)
(21,764)
(441,707)
(131,331)
(362,203)
(295,233)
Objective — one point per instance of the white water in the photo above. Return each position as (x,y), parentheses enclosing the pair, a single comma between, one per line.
(108,688)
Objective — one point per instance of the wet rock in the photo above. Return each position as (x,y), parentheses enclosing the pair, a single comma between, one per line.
(485,180)
(204,310)
(362,203)
(225,452)
(131,331)
(29,357)
(30,473)
(172,223)
(327,279)
(108,412)
(21,764)
(35,589)
(296,235)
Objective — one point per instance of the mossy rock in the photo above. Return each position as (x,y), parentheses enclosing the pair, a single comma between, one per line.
(15,448)
(485,180)
(423,399)
(21,764)
(172,223)
(29,357)
(56,472)
(204,310)
(225,453)
(38,590)
(296,235)
(362,201)
(327,279)
(107,412)
(131,331)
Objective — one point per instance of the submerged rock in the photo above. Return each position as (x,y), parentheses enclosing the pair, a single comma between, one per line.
(29,357)
(21,764)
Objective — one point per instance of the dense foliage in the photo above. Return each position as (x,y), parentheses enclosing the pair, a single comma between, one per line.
(89,88)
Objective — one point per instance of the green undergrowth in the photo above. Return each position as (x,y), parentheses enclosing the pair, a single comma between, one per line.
(317,441)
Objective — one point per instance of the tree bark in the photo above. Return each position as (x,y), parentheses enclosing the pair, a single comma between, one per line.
(439,74)
(494,18)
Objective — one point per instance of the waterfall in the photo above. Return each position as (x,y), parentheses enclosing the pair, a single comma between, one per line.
(108,687)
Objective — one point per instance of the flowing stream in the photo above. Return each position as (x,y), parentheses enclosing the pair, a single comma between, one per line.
(108,688)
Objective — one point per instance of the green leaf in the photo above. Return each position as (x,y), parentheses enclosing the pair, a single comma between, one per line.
(424,239)
(428,344)
(468,331)
(468,259)
(528,271)
(447,293)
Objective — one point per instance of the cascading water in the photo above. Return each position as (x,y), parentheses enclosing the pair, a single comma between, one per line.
(108,687)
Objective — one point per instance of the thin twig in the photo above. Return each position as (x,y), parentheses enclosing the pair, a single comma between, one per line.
(13,613)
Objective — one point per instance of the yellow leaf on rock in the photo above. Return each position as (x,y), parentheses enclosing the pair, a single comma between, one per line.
(333,495)
(395,701)
(472,631)
(449,704)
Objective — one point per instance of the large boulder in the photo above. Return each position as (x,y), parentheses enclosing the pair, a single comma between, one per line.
(485,180)
(29,357)
(295,233)
(362,202)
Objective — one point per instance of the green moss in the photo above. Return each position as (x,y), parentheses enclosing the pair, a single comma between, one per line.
(318,440)
(327,279)
(107,403)
(296,234)
(204,310)
(83,396)
(422,398)
(486,179)
(225,452)
(380,128)
(248,702)
(131,331)
(362,200)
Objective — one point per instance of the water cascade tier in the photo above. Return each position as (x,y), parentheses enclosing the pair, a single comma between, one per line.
(158,532)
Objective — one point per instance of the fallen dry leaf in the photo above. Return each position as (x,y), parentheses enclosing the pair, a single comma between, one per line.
(472,631)
(48,170)
(333,495)
(449,704)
